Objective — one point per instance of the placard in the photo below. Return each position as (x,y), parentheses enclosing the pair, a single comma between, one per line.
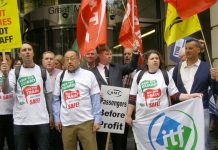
(10,36)
(114,107)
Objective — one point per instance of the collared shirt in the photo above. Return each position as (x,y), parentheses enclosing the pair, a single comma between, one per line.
(53,75)
(90,66)
(188,74)
(101,70)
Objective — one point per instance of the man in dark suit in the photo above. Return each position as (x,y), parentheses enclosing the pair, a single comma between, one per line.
(107,73)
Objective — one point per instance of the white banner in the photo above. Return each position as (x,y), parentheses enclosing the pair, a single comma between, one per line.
(114,108)
(179,127)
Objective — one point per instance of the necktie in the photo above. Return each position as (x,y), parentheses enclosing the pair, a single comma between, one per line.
(106,71)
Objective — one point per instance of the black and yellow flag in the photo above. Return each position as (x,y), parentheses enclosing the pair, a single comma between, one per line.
(176,28)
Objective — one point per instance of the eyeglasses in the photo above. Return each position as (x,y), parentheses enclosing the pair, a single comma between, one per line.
(71,59)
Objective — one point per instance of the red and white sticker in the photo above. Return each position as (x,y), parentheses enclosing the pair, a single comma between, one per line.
(152,97)
(32,90)
(70,97)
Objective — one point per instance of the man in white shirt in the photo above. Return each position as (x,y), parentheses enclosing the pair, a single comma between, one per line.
(76,104)
(30,113)
(196,76)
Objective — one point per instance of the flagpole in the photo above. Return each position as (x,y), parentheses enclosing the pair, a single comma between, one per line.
(206,47)
(133,22)
(3,55)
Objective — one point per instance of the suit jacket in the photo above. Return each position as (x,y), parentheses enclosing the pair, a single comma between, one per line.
(116,72)
(202,80)
(85,66)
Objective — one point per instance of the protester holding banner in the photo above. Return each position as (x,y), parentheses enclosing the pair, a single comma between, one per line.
(152,93)
(112,74)
(32,103)
(6,113)
(76,104)
(195,75)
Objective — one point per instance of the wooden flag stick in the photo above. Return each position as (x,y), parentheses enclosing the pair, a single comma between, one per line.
(206,48)
(108,141)
(3,55)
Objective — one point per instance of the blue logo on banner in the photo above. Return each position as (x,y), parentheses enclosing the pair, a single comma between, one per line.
(172,135)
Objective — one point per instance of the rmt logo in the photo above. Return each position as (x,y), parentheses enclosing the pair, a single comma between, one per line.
(116,93)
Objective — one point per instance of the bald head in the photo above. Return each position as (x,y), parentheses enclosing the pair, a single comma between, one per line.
(182,56)
(48,60)
(127,54)
(71,60)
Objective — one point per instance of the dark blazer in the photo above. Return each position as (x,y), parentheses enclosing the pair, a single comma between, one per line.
(202,80)
(85,66)
(117,71)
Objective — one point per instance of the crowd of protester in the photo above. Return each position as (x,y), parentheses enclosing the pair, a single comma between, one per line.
(56,105)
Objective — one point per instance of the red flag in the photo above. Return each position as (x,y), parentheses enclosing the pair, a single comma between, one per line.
(130,29)
(91,25)
(188,8)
